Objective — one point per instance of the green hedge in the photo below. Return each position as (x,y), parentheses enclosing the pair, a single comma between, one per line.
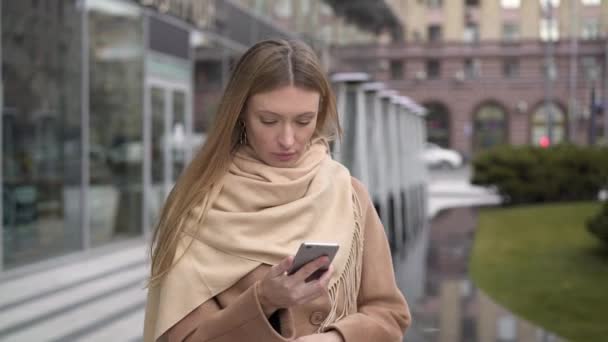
(598,225)
(528,174)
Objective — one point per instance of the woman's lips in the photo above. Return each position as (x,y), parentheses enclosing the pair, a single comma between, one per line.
(284,156)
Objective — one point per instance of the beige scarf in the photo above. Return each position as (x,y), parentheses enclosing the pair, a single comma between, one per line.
(259,215)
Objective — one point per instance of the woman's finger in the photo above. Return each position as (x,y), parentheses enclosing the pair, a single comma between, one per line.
(324,280)
(282,267)
(310,268)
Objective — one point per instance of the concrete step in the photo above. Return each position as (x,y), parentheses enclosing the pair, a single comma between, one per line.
(98,299)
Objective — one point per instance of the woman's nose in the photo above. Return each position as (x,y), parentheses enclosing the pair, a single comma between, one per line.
(286,137)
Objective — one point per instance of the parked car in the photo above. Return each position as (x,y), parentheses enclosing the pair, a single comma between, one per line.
(436,156)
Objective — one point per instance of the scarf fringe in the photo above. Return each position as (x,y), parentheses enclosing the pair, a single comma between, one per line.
(345,290)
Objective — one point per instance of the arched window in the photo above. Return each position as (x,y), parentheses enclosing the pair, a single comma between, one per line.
(539,124)
(490,127)
(438,124)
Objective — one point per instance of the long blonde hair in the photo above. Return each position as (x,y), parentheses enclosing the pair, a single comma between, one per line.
(266,66)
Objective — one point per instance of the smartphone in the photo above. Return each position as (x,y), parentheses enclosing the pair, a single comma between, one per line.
(310,251)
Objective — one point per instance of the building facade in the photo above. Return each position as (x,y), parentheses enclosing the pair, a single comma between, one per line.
(97,118)
(496,72)
(103,103)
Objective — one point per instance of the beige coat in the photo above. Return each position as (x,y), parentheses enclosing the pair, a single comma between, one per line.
(236,315)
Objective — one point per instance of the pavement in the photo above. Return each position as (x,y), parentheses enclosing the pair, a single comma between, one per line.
(100,296)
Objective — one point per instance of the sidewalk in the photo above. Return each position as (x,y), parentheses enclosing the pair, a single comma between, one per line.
(102,298)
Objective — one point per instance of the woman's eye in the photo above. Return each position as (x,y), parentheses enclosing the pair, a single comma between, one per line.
(303,123)
(268,122)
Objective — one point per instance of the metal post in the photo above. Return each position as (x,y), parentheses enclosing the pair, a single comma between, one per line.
(572,112)
(147,127)
(549,72)
(605,102)
(1,149)
(84,120)
(592,116)
(167,143)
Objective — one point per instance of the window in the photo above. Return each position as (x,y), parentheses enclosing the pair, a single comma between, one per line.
(590,29)
(433,69)
(305,6)
(489,127)
(434,3)
(437,124)
(510,4)
(472,68)
(283,8)
(434,33)
(591,2)
(591,68)
(549,30)
(539,124)
(510,68)
(510,31)
(396,69)
(472,3)
(471,33)
(549,70)
(545,3)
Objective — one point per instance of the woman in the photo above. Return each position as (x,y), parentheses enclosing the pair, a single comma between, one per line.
(263,183)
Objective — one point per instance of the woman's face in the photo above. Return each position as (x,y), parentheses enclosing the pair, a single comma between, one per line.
(280,123)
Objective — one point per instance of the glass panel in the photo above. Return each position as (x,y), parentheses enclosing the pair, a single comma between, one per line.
(157,196)
(116,120)
(490,127)
(40,131)
(438,124)
(178,133)
(539,125)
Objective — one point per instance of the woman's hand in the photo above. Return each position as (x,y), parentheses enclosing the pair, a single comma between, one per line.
(330,336)
(278,290)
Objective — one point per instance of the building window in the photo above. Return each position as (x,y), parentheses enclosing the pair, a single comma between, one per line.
(510,68)
(591,68)
(434,3)
(471,33)
(510,4)
(438,124)
(396,69)
(283,9)
(472,3)
(305,7)
(591,2)
(549,70)
(434,33)
(545,3)
(472,68)
(490,127)
(549,29)
(433,69)
(510,31)
(539,124)
(590,29)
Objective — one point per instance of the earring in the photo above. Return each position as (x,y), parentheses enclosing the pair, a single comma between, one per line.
(243,134)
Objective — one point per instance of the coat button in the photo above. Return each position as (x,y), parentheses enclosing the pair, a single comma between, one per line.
(317,317)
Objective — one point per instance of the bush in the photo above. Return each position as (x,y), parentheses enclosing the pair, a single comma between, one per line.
(598,225)
(528,174)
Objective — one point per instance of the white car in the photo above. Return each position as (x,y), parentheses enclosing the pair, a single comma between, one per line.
(436,156)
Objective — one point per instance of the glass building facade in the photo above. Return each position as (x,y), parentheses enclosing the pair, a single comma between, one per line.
(98,106)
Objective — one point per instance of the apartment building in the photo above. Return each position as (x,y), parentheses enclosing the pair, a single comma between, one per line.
(497,71)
